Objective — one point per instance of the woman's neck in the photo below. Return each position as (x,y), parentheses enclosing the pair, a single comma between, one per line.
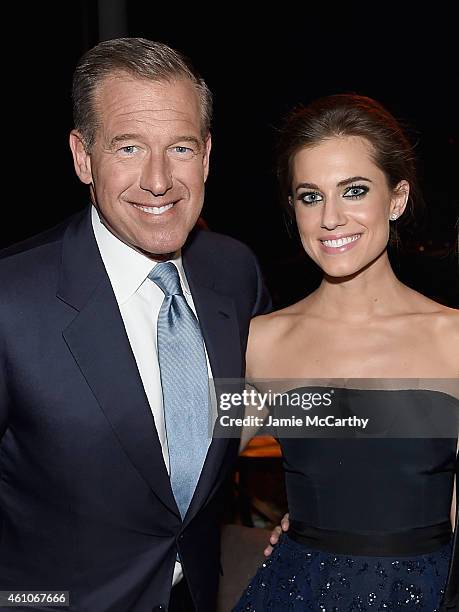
(372,292)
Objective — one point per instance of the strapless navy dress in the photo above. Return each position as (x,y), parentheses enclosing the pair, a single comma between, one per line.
(369,514)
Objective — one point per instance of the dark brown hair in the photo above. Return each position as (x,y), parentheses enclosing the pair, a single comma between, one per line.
(140,58)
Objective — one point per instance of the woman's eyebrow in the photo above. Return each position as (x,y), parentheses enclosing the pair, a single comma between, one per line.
(352,179)
(346,181)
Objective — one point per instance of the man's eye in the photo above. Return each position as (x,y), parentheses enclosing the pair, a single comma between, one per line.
(128,149)
(310,197)
(356,191)
(182,152)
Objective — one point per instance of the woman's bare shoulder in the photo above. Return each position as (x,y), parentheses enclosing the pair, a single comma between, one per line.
(443,319)
(441,324)
(449,318)
(444,343)
(447,330)
(267,333)
(437,313)
(276,322)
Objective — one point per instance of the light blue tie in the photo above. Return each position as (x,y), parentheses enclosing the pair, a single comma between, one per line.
(184,381)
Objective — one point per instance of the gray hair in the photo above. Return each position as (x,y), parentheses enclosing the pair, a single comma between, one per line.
(140,58)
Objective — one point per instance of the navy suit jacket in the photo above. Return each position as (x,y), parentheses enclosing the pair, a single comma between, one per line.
(86,504)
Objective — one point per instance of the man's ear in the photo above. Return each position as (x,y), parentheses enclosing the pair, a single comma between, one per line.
(205,161)
(81,158)
(399,199)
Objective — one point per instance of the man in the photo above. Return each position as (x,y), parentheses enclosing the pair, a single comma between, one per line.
(109,487)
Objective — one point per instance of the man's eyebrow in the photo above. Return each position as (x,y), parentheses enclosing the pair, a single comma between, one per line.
(125,137)
(187,139)
(351,179)
(122,138)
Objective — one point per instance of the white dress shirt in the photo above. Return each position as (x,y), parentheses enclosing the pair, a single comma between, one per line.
(139,300)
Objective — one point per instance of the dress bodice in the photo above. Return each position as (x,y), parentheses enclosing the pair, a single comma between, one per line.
(390,477)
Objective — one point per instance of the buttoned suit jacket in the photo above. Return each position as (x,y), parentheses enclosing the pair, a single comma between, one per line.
(86,504)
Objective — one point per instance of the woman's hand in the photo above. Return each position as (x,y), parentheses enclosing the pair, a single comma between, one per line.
(275,535)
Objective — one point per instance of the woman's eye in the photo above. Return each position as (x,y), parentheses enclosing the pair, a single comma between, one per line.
(311,197)
(356,191)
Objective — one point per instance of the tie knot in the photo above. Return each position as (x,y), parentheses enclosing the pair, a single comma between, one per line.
(166,276)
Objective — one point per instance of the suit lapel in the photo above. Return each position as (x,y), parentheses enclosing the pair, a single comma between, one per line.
(218,320)
(99,344)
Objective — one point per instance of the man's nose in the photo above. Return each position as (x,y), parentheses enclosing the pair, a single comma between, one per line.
(156,175)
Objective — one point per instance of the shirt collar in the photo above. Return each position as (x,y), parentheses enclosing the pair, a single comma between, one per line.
(127,269)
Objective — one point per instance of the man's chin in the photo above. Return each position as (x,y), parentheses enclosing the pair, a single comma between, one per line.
(161,256)
(160,252)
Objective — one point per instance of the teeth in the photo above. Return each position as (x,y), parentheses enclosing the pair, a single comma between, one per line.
(341,241)
(154,210)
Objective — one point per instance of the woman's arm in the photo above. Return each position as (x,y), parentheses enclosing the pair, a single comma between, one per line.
(255,350)
(454,502)
(256,413)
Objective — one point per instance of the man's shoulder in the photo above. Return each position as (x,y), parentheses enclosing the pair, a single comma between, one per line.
(31,245)
(218,246)
(229,266)
(35,261)
(33,250)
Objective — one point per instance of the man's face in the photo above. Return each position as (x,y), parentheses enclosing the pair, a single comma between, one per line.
(149,163)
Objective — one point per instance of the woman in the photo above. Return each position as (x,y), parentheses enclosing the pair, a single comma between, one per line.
(370,519)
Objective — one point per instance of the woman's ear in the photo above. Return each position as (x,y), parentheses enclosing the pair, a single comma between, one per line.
(81,158)
(399,199)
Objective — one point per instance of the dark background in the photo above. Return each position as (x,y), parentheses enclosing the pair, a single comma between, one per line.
(258,66)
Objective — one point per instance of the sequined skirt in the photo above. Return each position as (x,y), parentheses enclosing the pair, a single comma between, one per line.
(299,578)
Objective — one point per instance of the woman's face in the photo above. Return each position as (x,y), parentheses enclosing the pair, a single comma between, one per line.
(343,203)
